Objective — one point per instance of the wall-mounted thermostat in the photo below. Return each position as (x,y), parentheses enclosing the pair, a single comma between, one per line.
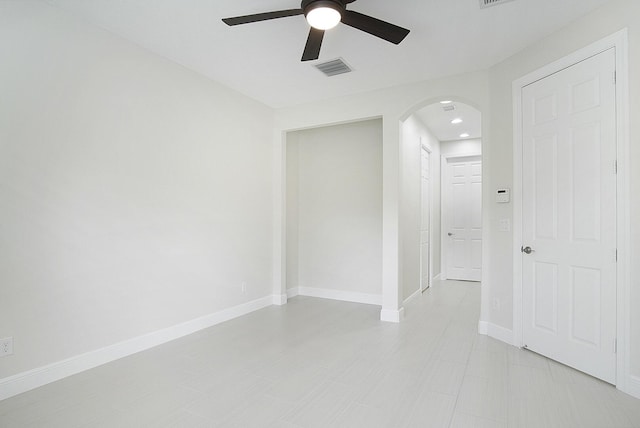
(503,196)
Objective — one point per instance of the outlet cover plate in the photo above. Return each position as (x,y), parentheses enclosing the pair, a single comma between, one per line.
(6,346)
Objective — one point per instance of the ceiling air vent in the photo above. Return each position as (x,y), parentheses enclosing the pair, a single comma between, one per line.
(488,3)
(449,107)
(334,67)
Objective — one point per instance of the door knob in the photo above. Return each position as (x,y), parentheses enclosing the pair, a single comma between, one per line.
(526,250)
(450,234)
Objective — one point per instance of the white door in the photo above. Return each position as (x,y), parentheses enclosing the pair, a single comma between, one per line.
(569,216)
(425,223)
(463,218)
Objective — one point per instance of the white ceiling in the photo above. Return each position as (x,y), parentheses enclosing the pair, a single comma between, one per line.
(262,60)
(439,121)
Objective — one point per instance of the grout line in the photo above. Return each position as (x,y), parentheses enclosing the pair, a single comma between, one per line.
(464,375)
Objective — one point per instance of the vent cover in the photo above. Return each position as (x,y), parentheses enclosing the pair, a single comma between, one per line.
(334,67)
(449,107)
(489,3)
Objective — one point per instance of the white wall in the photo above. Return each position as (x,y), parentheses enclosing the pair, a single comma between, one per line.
(292,180)
(595,26)
(339,208)
(134,194)
(461,147)
(415,134)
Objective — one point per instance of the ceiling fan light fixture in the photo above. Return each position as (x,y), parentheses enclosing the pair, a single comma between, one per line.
(323,15)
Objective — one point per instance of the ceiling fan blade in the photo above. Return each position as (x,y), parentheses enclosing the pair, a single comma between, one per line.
(247,19)
(314,42)
(376,27)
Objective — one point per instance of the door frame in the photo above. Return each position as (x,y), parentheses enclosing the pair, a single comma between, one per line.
(619,41)
(425,147)
(444,162)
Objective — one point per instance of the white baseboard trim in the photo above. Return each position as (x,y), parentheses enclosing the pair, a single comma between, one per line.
(483,328)
(438,277)
(392,315)
(499,333)
(413,296)
(345,296)
(633,386)
(26,381)
(280,299)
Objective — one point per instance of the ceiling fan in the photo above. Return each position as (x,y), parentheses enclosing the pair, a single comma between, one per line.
(323,15)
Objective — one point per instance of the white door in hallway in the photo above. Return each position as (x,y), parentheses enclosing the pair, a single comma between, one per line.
(569,216)
(425,223)
(462,218)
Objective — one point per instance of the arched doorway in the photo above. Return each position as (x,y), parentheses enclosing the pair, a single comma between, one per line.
(441,196)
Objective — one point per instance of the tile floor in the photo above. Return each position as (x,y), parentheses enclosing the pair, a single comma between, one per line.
(322,363)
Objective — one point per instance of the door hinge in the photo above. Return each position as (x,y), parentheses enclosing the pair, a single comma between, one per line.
(615,255)
(615,77)
(615,166)
(615,345)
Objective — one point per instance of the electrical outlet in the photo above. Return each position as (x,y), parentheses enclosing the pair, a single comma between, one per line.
(6,346)
(244,287)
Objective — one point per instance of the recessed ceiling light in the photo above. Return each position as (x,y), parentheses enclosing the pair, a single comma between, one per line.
(446,102)
(465,135)
(456,121)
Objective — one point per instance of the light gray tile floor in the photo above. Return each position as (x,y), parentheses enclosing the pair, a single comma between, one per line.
(322,363)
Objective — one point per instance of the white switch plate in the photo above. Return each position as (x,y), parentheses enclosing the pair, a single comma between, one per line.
(6,346)
(505,225)
(503,196)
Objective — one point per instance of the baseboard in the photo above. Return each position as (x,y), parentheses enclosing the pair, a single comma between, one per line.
(280,299)
(438,277)
(499,333)
(26,381)
(345,296)
(392,315)
(413,296)
(292,292)
(633,386)
(483,328)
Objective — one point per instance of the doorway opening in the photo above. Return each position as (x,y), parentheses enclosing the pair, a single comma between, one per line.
(462,217)
(441,204)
